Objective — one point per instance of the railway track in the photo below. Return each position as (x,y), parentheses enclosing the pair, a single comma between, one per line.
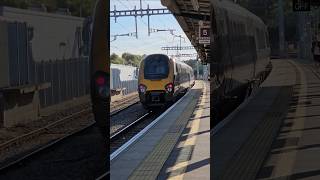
(118,106)
(21,148)
(126,128)
(123,135)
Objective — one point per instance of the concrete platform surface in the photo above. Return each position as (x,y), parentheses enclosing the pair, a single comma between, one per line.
(145,158)
(240,146)
(190,159)
(295,152)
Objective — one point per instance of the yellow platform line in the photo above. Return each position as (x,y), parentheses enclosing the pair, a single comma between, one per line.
(191,140)
(152,164)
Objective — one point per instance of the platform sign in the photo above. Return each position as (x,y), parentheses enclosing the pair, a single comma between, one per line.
(301,5)
(204,34)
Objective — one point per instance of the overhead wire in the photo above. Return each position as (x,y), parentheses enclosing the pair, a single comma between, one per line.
(145,24)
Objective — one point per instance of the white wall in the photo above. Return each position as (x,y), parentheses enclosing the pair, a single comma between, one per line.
(50,31)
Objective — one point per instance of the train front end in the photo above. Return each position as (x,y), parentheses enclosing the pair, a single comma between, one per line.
(155,83)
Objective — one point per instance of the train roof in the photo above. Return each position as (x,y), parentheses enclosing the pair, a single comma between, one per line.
(189,18)
(170,58)
(236,8)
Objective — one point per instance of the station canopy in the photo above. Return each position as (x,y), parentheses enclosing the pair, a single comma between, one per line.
(194,18)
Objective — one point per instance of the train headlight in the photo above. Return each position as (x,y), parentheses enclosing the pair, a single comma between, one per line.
(142,88)
(169,88)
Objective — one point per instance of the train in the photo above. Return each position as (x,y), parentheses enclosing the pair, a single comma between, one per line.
(162,79)
(99,67)
(241,56)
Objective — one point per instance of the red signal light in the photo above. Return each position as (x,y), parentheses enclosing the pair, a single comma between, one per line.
(142,88)
(169,87)
(100,81)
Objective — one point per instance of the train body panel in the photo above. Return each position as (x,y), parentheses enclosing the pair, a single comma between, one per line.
(99,66)
(240,51)
(161,79)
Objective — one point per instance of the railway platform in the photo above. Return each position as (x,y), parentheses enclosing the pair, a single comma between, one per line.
(176,147)
(275,133)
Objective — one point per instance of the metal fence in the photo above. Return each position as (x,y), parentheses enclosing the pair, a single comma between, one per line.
(129,80)
(69,79)
(127,86)
(18,53)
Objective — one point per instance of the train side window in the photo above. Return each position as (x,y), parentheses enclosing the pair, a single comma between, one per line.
(230,28)
(234,28)
(176,65)
(257,39)
(221,26)
(267,39)
(263,39)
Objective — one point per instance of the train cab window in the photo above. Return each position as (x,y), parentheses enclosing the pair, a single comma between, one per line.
(156,67)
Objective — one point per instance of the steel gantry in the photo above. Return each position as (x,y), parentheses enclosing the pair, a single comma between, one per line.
(191,15)
(139,12)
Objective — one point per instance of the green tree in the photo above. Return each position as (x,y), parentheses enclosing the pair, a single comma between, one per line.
(115,59)
(132,59)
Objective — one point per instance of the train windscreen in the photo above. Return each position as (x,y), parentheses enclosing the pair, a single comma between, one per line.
(156,67)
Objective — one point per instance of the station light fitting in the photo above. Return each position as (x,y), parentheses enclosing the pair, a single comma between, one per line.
(195,4)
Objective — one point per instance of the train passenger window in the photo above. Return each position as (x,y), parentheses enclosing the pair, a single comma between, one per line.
(261,38)
(177,68)
(267,39)
(230,28)
(221,27)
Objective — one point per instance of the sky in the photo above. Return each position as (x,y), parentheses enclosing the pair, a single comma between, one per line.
(144,44)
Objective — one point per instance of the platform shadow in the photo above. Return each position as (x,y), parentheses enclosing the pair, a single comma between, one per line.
(311,146)
(186,169)
(185,136)
(297,130)
(301,175)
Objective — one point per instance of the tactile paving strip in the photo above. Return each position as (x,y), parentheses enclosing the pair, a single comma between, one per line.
(151,166)
(246,163)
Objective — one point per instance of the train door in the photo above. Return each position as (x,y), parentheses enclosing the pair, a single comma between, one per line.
(228,51)
(176,77)
(1,108)
(217,46)
(100,90)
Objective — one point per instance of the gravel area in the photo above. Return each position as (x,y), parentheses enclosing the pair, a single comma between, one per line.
(9,133)
(21,146)
(82,156)
(123,103)
(126,117)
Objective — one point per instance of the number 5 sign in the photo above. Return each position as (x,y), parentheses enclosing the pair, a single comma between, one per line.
(204,34)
